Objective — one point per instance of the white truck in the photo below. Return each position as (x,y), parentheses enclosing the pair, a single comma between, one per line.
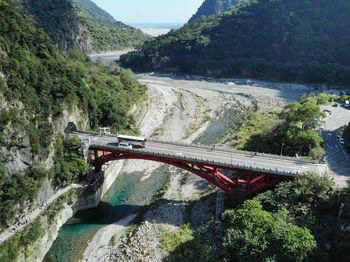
(346,103)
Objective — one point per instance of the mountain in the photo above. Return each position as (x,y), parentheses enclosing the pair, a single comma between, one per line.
(82,24)
(41,91)
(285,40)
(213,7)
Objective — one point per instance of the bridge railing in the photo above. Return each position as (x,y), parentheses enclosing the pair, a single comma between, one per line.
(306,161)
(236,151)
(198,160)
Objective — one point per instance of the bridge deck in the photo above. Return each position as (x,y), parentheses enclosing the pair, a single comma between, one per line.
(236,159)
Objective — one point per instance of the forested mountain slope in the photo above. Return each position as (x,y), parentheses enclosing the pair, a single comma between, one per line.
(82,24)
(212,7)
(289,40)
(38,87)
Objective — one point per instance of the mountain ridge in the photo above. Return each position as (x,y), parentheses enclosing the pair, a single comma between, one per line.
(286,40)
(82,24)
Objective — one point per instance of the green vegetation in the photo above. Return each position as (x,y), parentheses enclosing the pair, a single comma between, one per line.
(47,82)
(294,127)
(297,221)
(212,7)
(107,33)
(286,40)
(16,189)
(113,241)
(38,83)
(11,249)
(171,240)
(64,20)
(186,245)
(255,234)
(52,211)
(69,166)
(300,220)
(23,240)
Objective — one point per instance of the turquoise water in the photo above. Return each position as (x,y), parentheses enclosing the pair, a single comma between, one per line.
(127,195)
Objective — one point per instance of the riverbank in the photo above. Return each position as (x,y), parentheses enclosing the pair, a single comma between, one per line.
(181,113)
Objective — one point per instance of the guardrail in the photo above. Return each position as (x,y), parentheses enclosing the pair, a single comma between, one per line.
(219,149)
(197,160)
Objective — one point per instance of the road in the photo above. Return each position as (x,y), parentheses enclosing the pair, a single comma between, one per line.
(337,157)
(33,214)
(238,159)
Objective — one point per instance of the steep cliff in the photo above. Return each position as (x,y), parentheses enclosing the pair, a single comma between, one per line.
(82,24)
(42,92)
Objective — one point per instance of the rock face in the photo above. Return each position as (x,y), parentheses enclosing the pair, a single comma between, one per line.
(41,247)
(82,24)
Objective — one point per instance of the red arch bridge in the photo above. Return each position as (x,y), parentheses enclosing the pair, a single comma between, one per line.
(234,172)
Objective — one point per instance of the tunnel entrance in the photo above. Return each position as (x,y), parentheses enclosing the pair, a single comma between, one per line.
(71,127)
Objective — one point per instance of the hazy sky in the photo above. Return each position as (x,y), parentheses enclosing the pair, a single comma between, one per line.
(151,11)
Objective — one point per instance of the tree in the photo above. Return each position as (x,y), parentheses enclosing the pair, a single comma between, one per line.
(253,234)
(316,153)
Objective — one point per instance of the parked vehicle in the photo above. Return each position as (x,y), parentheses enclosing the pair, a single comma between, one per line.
(341,141)
(346,103)
(340,134)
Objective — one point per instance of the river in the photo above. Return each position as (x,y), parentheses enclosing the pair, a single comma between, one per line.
(127,195)
(129,192)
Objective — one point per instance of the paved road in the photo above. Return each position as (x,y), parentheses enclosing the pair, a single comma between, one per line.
(236,159)
(337,157)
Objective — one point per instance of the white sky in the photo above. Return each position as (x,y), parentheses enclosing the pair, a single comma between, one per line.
(150,11)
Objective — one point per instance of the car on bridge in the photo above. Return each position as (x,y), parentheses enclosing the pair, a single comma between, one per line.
(125,144)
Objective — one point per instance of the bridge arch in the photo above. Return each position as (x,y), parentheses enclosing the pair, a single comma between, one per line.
(246,182)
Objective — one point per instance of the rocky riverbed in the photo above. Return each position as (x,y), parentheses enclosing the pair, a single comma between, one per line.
(179,111)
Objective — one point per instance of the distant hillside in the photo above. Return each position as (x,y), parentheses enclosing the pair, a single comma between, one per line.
(82,24)
(213,7)
(289,40)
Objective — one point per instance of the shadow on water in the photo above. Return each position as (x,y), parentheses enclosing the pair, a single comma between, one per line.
(128,194)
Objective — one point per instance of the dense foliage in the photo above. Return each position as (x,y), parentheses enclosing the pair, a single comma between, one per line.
(69,165)
(76,23)
(11,249)
(294,127)
(37,84)
(254,234)
(212,7)
(47,82)
(21,242)
(289,40)
(297,220)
